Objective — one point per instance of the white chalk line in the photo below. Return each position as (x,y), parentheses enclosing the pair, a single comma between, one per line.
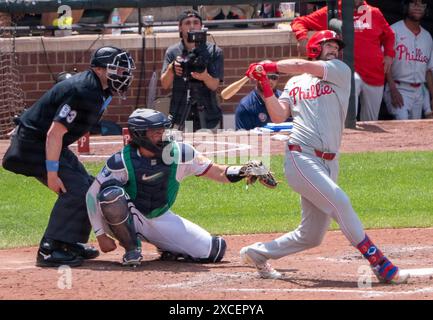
(18,268)
(356,291)
(420,272)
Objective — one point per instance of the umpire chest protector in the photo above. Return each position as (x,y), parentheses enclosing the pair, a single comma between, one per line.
(152,184)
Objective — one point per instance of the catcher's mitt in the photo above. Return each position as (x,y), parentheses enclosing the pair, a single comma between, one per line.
(255,170)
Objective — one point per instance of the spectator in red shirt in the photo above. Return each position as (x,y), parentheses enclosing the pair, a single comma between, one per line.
(372,32)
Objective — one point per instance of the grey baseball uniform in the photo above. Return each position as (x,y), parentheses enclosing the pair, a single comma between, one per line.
(319,108)
(413,59)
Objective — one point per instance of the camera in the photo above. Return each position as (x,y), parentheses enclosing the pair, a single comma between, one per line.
(197,36)
(198,58)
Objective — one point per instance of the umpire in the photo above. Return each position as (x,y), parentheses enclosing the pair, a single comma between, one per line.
(39,148)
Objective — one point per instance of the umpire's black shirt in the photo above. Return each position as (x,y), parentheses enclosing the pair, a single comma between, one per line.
(77,102)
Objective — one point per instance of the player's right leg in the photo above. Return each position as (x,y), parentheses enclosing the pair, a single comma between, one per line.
(114,207)
(399,113)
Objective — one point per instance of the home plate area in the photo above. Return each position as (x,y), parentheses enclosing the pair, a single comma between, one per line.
(334,270)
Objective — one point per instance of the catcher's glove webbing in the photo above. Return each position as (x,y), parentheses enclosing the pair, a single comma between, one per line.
(252,171)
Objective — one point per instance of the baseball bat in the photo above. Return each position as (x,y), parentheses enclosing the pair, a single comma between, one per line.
(231,90)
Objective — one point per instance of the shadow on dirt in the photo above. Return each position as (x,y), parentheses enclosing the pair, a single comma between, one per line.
(155,265)
(364,126)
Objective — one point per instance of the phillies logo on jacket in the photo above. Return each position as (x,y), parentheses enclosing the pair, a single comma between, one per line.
(316,90)
(403,53)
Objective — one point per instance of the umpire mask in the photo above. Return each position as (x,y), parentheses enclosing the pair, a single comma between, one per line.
(119,73)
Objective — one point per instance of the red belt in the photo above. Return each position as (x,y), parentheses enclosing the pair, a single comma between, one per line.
(415,85)
(320,154)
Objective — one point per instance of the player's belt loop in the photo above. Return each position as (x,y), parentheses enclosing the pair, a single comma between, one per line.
(323,155)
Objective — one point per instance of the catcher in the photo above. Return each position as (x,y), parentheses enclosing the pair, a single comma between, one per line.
(131,197)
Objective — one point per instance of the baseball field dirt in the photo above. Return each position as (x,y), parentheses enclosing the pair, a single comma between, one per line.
(334,270)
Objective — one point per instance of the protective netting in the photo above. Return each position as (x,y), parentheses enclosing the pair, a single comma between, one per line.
(11,94)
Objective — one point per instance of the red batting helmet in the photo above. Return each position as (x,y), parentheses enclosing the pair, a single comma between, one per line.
(314,45)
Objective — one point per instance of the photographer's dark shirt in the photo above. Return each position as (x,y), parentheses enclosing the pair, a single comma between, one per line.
(215,68)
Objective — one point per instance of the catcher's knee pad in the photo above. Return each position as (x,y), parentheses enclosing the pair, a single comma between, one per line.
(217,250)
(114,206)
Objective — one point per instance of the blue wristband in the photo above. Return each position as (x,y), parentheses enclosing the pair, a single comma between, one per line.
(52,166)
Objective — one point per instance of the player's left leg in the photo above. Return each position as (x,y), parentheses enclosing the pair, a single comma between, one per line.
(370,98)
(418,102)
(179,238)
(309,234)
(427,107)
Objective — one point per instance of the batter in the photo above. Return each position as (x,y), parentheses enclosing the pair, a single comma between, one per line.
(318,99)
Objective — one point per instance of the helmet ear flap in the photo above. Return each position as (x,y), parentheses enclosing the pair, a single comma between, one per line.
(316,50)
(313,51)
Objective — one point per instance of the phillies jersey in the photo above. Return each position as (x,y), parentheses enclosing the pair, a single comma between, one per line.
(413,54)
(319,106)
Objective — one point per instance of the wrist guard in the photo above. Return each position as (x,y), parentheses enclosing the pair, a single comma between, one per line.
(233,173)
(267,89)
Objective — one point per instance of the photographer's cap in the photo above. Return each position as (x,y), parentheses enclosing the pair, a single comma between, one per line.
(188,13)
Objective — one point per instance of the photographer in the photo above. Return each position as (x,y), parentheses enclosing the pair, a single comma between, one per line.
(194,68)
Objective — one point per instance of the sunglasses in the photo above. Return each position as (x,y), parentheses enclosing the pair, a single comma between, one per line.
(273,76)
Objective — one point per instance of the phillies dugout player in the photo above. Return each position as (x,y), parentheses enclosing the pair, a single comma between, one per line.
(318,99)
(405,94)
(372,62)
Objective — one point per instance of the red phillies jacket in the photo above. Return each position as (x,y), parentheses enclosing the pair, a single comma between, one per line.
(372,32)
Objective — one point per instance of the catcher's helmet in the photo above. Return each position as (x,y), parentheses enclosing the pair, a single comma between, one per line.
(143,119)
(314,45)
(119,66)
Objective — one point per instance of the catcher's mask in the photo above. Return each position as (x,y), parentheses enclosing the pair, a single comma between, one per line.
(314,45)
(143,119)
(119,65)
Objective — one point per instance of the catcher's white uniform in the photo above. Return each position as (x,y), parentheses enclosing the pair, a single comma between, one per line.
(413,59)
(168,232)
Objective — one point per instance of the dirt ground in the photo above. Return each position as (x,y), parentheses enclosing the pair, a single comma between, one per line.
(334,270)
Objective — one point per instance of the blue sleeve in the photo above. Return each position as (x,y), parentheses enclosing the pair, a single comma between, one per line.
(216,65)
(243,119)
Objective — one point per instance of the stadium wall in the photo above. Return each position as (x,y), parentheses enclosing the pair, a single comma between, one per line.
(241,47)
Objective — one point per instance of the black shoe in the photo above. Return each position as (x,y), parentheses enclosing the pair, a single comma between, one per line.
(57,258)
(82,250)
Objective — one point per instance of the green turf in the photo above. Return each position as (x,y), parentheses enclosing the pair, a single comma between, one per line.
(387,190)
